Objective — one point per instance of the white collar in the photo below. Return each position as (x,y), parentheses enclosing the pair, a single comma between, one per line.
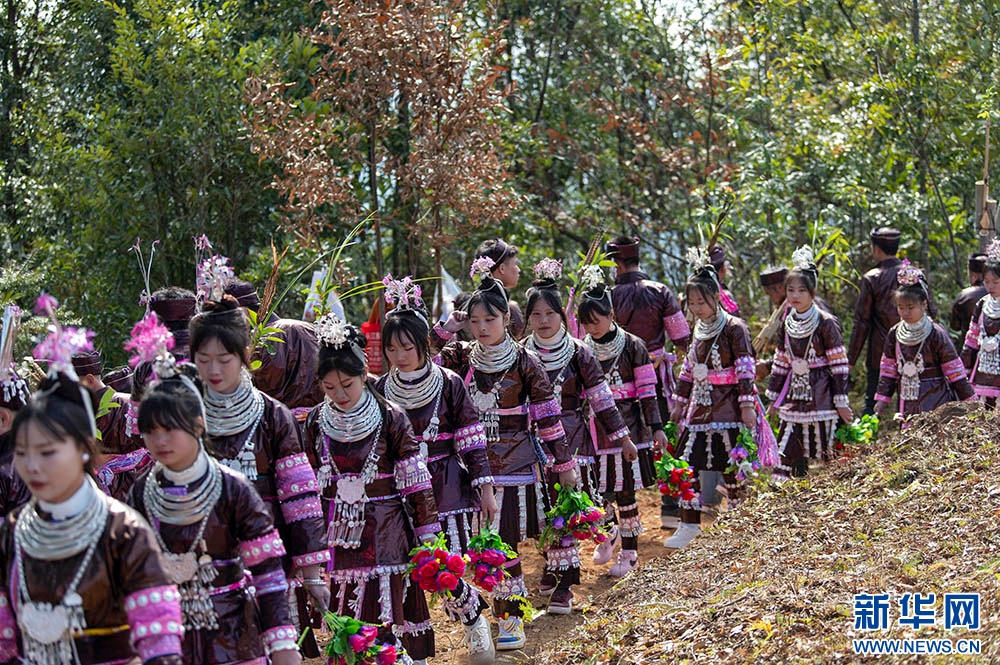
(71,506)
(190,474)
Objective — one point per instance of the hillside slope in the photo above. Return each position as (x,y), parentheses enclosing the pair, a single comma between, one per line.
(774,581)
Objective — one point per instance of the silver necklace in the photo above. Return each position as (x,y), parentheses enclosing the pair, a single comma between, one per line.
(348,521)
(192,574)
(912,335)
(494,359)
(555,352)
(800,326)
(608,350)
(47,629)
(991,307)
(234,413)
(56,540)
(416,393)
(705,330)
(353,425)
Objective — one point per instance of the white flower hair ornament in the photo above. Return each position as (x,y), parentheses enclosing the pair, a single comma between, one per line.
(548,269)
(803,258)
(334,332)
(993,251)
(697,258)
(591,276)
(482,267)
(909,274)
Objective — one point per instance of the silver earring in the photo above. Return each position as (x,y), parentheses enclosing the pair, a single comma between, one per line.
(86,457)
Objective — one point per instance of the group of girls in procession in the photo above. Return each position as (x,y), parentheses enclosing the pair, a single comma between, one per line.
(237,524)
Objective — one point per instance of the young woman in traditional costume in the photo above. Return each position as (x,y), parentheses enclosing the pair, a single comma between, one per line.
(981,354)
(213,528)
(715,396)
(374,478)
(579,384)
(81,575)
(257,436)
(808,384)
(513,396)
(451,437)
(919,358)
(623,466)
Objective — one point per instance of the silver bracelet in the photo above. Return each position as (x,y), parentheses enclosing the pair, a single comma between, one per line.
(313,581)
(281,645)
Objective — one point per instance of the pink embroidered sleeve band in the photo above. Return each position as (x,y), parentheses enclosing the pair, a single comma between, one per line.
(552,433)
(311,559)
(271,582)
(645,375)
(469,438)
(255,551)
(154,615)
(972,337)
(295,476)
(953,370)
(412,475)
(547,409)
(676,326)
(565,466)
(888,367)
(746,369)
(600,397)
(300,509)
(440,331)
(280,638)
(8,630)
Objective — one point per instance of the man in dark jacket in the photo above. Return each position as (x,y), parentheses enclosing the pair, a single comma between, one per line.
(650,311)
(965,304)
(875,310)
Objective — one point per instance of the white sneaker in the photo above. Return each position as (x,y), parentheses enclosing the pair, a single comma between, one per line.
(628,560)
(669,521)
(683,536)
(511,634)
(480,642)
(604,551)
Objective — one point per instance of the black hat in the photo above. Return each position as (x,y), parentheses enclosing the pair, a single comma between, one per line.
(623,251)
(771,275)
(717,257)
(886,238)
(245,294)
(89,362)
(977,262)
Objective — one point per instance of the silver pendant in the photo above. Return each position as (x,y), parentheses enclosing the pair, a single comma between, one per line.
(910,369)
(700,372)
(43,622)
(484,401)
(350,490)
(990,344)
(800,366)
(180,568)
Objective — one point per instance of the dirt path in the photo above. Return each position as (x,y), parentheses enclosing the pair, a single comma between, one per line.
(546,628)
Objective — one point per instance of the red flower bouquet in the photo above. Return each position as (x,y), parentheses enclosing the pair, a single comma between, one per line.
(434,569)
(356,643)
(676,477)
(574,518)
(487,555)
